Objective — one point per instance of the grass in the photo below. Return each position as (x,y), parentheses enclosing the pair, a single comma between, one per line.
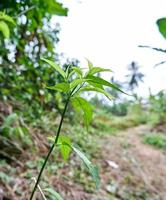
(156,139)
(112,124)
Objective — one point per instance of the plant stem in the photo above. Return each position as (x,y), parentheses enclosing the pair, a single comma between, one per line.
(50,151)
(42,194)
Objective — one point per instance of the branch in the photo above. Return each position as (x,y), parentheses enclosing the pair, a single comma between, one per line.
(153,48)
(24,11)
(160,63)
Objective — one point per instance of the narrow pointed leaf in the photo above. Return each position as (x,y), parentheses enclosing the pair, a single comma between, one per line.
(76,82)
(95,70)
(101,81)
(96,85)
(53,193)
(55,66)
(77,70)
(90,65)
(67,71)
(102,91)
(71,74)
(92,169)
(61,87)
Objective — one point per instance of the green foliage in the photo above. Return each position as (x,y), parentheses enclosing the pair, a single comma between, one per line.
(120,109)
(56,67)
(56,8)
(161,23)
(13,127)
(101,82)
(65,145)
(156,139)
(95,70)
(6,18)
(116,108)
(92,169)
(158,108)
(53,194)
(5,178)
(99,90)
(4,28)
(76,81)
(80,104)
(32,37)
(61,87)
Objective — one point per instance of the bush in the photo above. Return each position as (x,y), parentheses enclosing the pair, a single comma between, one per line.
(158,108)
(156,139)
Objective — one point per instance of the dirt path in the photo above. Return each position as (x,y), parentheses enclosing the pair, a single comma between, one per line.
(131,170)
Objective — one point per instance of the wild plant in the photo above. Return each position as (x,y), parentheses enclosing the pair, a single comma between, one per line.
(75,82)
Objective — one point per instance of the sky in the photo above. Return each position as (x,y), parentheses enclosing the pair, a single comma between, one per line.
(108,33)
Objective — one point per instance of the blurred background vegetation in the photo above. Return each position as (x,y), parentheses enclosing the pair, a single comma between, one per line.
(29,113)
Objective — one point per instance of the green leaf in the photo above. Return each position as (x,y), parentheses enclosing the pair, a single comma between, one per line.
(4,29)
(77,70)
(62,87)
(71,74)
(95,70)
(55,66)
(92,169)
(102,91)
(161,23)
(79,104)
(65,146)
(101,81)
(67,70)
(6,18)
(10,119)
(56,8)
(76,82)
(90,65)
(96,85)
(53,193)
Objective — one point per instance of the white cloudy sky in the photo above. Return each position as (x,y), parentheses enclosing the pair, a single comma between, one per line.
(108,32)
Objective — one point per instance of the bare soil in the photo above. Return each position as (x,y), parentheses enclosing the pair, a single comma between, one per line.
(130,169)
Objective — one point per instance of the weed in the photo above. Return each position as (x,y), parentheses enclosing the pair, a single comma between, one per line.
(156,139)
(74,83)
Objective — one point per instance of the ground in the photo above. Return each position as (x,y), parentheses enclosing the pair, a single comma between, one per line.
(141,169)
(129,170)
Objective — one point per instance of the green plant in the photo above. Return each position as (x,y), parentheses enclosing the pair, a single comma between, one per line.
(32,37)
(74,83)
(4,21)
(158,108)
(158,140)
(13,127)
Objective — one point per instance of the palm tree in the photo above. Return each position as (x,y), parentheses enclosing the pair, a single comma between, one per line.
(135,76)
